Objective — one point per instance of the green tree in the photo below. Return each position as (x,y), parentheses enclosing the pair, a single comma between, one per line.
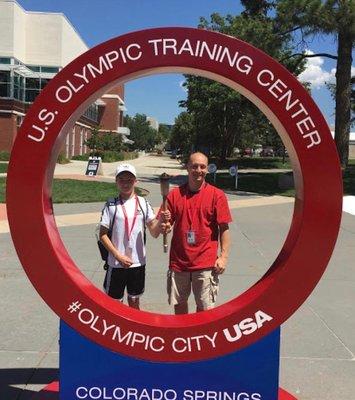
(334,17)
(183,133)
(332,87)
(163,135)
(352,100)
(223,117)
(93,142)
(143,135)
(104,141)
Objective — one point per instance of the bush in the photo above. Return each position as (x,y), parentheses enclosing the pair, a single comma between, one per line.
(62,159)
(4,156)
(130,155)
(108,156)
(112,156)
(3,168)
(83,157)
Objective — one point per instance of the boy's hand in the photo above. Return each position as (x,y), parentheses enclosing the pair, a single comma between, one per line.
(125,261)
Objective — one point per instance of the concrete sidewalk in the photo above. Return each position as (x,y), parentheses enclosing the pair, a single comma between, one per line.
(318,343)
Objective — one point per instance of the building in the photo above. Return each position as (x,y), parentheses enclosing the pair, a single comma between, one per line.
(34,46)
(153,123)
(352,145)
(351,142)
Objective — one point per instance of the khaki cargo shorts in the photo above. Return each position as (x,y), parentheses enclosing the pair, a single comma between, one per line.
(204,285)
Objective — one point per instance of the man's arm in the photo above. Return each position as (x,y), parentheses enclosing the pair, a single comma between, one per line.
(225,241)
(121,258)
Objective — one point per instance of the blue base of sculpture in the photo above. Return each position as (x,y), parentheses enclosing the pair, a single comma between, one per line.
(89,371)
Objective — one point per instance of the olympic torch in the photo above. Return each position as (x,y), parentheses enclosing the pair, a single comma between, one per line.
(164,188)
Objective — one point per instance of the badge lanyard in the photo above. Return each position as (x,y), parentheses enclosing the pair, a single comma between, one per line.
(128,232)
(191,234)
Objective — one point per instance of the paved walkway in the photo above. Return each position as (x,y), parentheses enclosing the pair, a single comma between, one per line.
(318,342)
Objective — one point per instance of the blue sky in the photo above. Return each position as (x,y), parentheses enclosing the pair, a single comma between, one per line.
(158,95)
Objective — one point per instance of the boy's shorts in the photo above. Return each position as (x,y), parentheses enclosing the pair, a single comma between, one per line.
(117,279)
(204,284)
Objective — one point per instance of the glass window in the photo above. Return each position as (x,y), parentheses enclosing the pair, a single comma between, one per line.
(19,87)
(4,76)
(32,83)
(51,70)
(4,90)
(44,82)
(5,60)
(40,68)
(5,84)
(35,68)
(30,95)
(92,112)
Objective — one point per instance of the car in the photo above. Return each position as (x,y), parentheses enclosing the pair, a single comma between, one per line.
(176,153)
(248,152)
(281,152)
(267,152)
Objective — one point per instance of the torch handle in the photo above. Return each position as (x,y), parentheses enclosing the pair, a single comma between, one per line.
(165,235)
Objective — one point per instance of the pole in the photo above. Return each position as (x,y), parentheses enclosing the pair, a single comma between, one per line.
(236,177)
(164,188)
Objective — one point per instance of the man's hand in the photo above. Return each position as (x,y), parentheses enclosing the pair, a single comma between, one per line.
(220,265)
(125,261)
(165,227)
(165,216)
(164,219)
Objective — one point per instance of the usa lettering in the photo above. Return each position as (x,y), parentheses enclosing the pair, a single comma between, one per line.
(247,326)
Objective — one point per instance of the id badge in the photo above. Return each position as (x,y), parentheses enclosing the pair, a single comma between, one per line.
(191,238)
(129,249)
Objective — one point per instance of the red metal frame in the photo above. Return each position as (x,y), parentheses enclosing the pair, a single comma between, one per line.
(300,263)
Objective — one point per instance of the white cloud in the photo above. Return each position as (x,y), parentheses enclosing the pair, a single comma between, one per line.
(182,87)
(314,72)
(316,75)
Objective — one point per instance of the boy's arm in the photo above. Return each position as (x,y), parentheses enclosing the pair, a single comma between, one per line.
(105,240)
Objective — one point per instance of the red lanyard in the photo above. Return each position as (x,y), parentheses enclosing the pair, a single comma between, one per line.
(191,212)
(128,231)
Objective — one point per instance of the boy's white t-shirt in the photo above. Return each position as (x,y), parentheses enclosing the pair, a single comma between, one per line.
(119,239)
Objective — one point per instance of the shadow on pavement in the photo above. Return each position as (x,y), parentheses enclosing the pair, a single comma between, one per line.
(176,180)
(178,167)
(12,377)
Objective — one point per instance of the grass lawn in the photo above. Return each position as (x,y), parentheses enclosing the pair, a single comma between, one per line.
(3,167)
(262,183)
(349,179)
(74,191)
(253,162)
(267,183)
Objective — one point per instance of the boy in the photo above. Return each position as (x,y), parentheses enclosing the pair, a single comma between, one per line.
(129,215)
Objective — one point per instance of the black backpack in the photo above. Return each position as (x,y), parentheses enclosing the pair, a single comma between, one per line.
(102,248)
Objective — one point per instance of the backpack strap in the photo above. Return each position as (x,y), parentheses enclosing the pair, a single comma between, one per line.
(114,214)
(145,216)
(111,202)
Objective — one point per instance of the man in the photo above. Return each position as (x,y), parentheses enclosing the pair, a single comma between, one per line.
(129,215)
(200,216)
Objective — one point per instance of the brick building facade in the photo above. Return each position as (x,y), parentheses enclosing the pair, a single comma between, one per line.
(34,46)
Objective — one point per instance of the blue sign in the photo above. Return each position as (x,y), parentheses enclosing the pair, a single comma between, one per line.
(89,371)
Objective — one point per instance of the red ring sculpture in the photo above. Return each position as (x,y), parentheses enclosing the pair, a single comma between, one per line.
(302,259)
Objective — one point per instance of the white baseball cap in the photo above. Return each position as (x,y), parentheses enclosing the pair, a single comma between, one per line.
(126,168)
